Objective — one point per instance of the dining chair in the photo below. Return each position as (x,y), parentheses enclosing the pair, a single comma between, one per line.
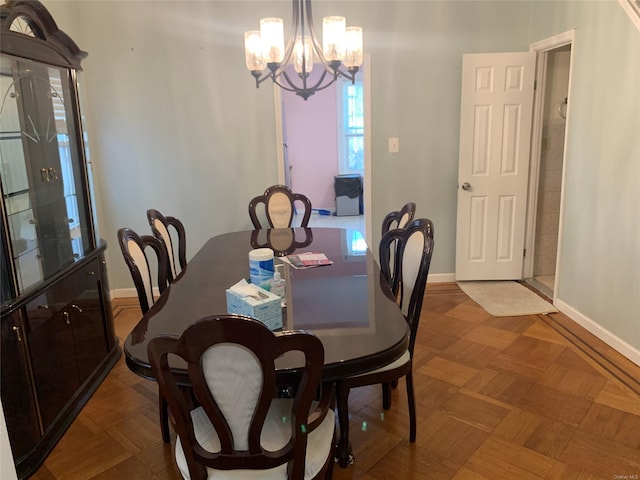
(279,204)
(161,227)
(400,218)
(406,280)
(240,428)
(134,248)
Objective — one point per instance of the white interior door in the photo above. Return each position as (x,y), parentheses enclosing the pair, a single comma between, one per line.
(495,131)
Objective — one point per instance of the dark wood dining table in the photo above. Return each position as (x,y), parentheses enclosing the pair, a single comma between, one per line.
(347,304)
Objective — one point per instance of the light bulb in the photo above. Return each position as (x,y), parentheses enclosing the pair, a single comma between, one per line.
(353,54)
(333,38)
(272,35)
(299,50)
(253,51)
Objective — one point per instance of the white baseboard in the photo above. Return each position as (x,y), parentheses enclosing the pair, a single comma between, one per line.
(441,278)
(128,293)
(602,333)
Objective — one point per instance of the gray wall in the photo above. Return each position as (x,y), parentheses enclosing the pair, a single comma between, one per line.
(175,122)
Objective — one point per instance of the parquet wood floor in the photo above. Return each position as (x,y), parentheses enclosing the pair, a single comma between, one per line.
(529,397)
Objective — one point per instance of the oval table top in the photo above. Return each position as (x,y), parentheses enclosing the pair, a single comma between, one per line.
(346,304)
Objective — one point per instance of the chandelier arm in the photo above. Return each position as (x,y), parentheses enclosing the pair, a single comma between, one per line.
(350,74)
(304,92)
(292,88)
(317,48)
(262,75)
(295,22)
(302,20)
(315,87)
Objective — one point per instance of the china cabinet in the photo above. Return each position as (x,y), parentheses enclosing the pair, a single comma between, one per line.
(58,341)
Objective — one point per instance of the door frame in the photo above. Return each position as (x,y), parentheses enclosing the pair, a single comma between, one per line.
(366,195)
(542,48)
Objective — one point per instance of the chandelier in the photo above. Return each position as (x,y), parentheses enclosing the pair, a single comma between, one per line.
(267,57)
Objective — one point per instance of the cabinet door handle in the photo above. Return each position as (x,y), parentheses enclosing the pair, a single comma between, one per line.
(91,273)
(53,173)
(17,332)
(44,175)
(66,318)
(73,305)
(40,307)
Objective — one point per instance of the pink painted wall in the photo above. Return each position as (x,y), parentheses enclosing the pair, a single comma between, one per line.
(311,136)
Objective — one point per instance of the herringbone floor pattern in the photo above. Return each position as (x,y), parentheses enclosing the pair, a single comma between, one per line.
(530,397)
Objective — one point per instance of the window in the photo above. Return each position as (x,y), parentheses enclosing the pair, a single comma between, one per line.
(351,127)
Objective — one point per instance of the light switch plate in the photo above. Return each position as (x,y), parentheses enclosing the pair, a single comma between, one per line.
(394,145)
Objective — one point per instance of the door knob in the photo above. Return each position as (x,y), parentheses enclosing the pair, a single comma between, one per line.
(466,186)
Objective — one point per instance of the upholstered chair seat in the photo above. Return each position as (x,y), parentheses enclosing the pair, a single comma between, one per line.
(275,435)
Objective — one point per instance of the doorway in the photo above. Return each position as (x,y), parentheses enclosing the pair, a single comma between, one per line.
(307,132)
(547,163)
(483,243)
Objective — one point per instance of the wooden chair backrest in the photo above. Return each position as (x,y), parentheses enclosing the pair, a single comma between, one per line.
(161,227)
(406,268)
(134,249)
(400,218)
(231,366)
(279,203)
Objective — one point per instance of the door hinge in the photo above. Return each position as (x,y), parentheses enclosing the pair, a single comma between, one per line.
(535,84)
(524,252)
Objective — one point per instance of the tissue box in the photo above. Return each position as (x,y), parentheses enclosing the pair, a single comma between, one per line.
(247,299)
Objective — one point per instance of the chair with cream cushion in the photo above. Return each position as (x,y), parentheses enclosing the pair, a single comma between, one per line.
(134,249)
(406,280)
(161,227)
(240,430)
(279,205)
(400,218)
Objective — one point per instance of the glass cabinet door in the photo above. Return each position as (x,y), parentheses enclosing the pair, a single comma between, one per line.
(42,174)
